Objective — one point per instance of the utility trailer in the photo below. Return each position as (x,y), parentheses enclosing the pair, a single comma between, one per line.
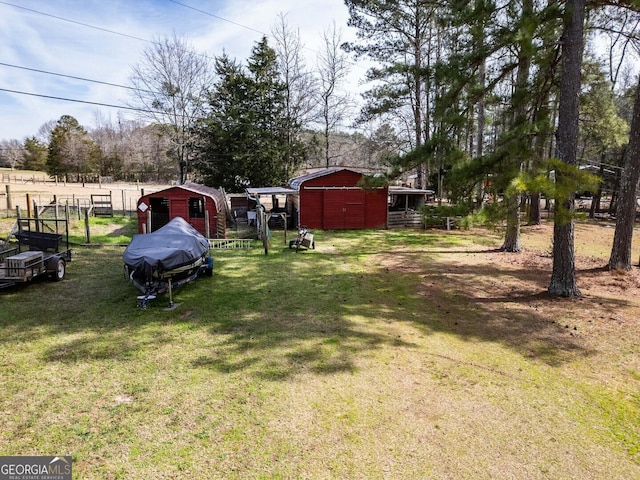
(38,252)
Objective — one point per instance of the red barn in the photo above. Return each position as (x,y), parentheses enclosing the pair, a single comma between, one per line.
(196,203)
(331,199)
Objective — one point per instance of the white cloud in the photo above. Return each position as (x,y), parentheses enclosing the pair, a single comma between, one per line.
(44,42)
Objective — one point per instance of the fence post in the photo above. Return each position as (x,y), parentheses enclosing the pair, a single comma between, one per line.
(9,207)
(35,215)
(86,225)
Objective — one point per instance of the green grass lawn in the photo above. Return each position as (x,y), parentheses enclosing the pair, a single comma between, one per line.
(365,358)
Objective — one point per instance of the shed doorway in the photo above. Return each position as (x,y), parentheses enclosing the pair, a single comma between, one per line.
(159,212)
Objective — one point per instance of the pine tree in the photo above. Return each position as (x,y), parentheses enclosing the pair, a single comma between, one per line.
(400,37)
(245,139)
(626,212)
(35,154)
(563,277)
(70,149)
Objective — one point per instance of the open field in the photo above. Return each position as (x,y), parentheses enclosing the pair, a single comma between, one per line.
(42,189)
(381,354)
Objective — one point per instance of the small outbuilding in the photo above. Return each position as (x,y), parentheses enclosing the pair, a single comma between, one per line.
(333,199)
(405,206)
(204,208)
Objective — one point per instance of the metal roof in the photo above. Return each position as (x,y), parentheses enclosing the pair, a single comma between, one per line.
(298,181)
(409,191)
(271,191)
(216,195)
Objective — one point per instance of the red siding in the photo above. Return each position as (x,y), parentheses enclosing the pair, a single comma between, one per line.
(376,208)
(333,203)
(179,207)
(344,209)
(311,211)
(343,178)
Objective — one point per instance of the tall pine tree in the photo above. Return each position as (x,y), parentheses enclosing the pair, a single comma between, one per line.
(245,139)
(563,276)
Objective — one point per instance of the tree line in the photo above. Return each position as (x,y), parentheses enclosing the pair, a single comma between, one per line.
(217,120)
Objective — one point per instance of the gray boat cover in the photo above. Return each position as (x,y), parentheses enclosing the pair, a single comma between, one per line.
(174,245)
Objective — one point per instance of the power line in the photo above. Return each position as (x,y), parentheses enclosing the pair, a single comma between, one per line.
(76,78)
(113,32)
(241,25)
(216,16)
(124,107)
(75,22)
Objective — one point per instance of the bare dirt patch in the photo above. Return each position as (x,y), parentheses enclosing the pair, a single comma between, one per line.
(488,294)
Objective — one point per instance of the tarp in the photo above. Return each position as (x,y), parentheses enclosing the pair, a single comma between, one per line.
(177,244)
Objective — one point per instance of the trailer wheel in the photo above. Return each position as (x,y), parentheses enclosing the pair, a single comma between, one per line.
(59,270)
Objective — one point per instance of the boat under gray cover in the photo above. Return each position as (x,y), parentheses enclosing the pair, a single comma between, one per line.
(168,251)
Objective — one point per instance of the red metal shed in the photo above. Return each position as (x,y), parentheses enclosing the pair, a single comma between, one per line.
(197,204)
(330,199)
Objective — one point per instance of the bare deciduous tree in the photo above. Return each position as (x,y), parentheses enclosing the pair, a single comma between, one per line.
(333,68)
(44,132)
(11,153)
(300,82)
(169,85)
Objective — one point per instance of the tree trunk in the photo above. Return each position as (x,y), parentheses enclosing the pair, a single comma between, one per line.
(417,105)
(535,217)
(563,276)
(626,210)
(481,124)
(595,198)
(613,202)
(520,146)
(512,234)
(595,203)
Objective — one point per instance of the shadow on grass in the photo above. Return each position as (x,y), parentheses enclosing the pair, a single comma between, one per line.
(284,314)
(278,348)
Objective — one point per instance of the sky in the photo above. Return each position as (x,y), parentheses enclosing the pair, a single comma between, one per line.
(103,39)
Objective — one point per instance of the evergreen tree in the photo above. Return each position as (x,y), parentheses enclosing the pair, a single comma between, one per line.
(70,149)
(626,212)
(563,277)
(401,38)
(602,131)
(245,139)
(499,73)
(35,154)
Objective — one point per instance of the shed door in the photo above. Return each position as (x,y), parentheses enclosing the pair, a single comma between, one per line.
(159,212)
(343,209)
